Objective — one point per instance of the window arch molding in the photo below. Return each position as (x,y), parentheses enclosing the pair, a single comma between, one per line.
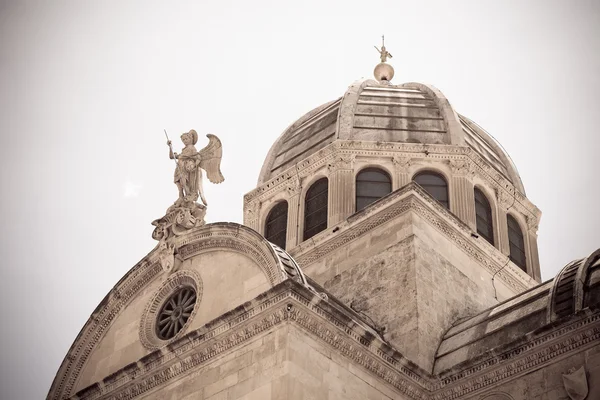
(269,213)
(439,173)
(384,172)
(306,187)
(491,199)
(522,226)
(384,168)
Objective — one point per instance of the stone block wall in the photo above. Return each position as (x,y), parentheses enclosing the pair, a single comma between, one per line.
(409,282)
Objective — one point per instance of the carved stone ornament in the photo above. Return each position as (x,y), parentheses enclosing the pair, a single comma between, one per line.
(182,216)
(575,382)
(343,161)
(459,167)
(532,224)
(186,213)
(402,163)
(293,187)
(166,255)
(504,199)
(252,210)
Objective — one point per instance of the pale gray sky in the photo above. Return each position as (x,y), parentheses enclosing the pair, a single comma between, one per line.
(86,88)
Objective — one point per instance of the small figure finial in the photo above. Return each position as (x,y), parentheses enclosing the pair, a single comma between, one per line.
(384,54)
(383,71)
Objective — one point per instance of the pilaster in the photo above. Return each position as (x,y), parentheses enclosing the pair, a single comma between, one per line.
(293,190)
(341,189)
(504,202)
(401,176)
(251,215)
(534,257)
(462,201)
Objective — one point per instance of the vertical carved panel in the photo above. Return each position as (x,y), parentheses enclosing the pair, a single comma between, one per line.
(534,258)
(462,203)
(504,202)
(292,230)
(401,177)
(341,189)
(251,217)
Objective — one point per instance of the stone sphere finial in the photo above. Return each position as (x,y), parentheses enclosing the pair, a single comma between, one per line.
(383,72)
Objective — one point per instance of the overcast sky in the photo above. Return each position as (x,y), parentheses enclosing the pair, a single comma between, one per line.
(87,87)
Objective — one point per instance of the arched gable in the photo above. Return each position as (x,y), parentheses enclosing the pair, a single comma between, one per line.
(226,263)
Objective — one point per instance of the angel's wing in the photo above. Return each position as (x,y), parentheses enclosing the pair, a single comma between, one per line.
(210,159)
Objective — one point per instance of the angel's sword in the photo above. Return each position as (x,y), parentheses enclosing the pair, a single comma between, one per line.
(170,146)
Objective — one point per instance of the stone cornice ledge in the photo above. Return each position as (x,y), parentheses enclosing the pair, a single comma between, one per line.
(288,302)
(535,350)
(412,198)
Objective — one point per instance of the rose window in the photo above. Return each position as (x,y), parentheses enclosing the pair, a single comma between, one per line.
(175,313)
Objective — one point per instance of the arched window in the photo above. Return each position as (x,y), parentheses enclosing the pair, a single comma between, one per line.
(483,216)
(516,242)
(276,224)
(371,185)
(315,208)
(435,185)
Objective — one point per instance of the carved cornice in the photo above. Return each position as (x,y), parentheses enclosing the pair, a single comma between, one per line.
(343,331)
(519,360)
(411,198)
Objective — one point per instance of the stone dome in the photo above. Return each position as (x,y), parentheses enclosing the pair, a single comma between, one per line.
(374,111)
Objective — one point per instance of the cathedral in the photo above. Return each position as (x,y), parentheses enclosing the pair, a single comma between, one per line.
(388,251)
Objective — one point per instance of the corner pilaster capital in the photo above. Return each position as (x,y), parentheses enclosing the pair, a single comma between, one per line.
(533,224)
(401,163)
(251,210)
(505,199)
(459,167)
(293,187)
(341,162)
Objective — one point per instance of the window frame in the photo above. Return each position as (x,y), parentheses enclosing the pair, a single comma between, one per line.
(266,223)
(510,217)
(325,207)
(490,215)
(439,175)
(379,170)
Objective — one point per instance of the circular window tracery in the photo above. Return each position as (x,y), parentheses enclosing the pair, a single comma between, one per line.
(175,313)
(171,309)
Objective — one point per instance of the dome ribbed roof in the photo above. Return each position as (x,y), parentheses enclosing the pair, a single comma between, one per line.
(369,110)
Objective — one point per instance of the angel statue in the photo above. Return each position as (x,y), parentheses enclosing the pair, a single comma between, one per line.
(186,213)
(190,163)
